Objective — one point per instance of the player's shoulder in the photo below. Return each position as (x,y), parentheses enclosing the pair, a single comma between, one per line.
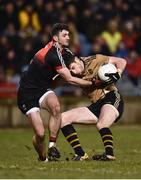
(52,53)
(103,58)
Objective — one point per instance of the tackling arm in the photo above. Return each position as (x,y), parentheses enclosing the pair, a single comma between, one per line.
(65,74)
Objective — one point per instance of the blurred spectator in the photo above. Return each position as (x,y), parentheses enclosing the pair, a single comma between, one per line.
(5,46)
(27,50)
(58,8)
(20,4)
(75,44)
(12,34)
(43,38)
(85,46)
(71,13)
(111,27)
(129,36)
(48,13)
(2,74)
(29,20)
(99,46)
(138,44)
(112,36)
(107,10)
(85,22)
(124,9)
(9,14)
(63,17)
(137,23)
(121,50)
(39,9)
(134,67)
(11,64)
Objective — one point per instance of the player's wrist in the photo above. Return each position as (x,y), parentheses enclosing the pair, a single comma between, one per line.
(119,72)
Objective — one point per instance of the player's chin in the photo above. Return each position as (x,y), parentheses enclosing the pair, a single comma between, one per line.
(66,44)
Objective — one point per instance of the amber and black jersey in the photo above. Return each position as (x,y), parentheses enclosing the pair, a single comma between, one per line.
(43,68)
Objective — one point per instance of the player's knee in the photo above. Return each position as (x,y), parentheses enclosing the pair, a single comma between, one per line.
(40,134)
(55,109)
(100,125)
(65,120)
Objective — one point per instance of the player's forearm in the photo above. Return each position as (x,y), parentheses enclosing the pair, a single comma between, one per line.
(79,82)
(66,75)
(121,66)
(120,63)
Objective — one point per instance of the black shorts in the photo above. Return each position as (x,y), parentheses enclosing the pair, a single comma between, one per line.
(28,99)
(114,98)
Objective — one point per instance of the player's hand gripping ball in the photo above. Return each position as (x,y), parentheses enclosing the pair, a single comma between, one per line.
(109,73)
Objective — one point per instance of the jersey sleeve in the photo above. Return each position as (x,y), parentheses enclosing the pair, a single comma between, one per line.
(55,61)
(102,58)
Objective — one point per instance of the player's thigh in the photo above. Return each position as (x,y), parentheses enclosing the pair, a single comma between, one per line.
(79,115)
(49,101)
(36,122)
(108,115)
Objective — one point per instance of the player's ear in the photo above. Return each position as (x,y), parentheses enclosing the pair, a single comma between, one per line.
(55,38)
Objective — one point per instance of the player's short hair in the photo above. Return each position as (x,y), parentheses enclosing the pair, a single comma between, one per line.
(58,27)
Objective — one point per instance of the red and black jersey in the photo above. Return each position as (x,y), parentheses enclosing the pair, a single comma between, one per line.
(43,68)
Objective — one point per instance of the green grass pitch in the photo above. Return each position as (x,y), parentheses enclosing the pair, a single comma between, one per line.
(19,160)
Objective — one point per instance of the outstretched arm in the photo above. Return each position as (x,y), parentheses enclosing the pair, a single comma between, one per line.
(65,74)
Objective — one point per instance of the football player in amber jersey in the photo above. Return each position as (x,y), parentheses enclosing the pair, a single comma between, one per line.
(35,90)
(106,104)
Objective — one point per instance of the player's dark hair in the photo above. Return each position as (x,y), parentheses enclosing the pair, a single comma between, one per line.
(58,27)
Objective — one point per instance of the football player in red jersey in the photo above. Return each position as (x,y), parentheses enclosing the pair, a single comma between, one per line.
(35,90)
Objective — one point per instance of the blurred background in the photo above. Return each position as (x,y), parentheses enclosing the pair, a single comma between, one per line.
(110,27)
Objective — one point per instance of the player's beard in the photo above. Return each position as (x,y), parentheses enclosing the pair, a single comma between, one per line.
(65,46)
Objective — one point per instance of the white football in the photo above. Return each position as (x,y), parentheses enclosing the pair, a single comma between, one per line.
(107,68)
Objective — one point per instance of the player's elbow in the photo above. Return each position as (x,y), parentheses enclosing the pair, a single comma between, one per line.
(121,61)
(124,62)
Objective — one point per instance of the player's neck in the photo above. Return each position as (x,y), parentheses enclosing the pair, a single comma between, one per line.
(58,45)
